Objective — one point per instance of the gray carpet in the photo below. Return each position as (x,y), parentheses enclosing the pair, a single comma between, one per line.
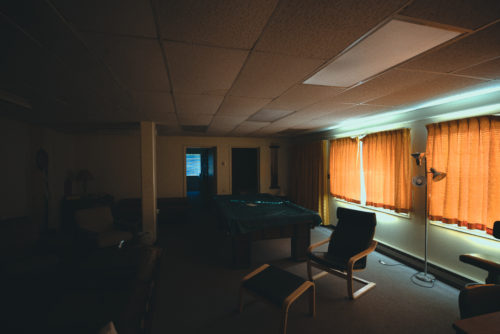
(197,292)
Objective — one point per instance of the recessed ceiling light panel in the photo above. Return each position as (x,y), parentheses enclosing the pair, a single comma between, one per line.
(390,45)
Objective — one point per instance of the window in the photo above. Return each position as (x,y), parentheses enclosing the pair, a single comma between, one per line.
(373,171)
(193,164)
(468,150)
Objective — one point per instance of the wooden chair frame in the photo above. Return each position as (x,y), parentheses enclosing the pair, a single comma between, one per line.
(288,300)
(347,274)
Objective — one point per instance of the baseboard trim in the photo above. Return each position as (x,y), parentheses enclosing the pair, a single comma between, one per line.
(448,277)
(451,278)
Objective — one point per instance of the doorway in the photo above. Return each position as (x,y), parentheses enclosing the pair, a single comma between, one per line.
(201,174)
(245,171)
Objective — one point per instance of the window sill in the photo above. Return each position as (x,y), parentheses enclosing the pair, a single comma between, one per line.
(373,208)
(477,233)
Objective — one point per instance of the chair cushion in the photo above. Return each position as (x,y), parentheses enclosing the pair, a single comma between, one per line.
(354,232)
(336,263)
(479,299)
(274,284)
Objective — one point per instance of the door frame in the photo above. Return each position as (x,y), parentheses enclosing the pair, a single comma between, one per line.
(184,177)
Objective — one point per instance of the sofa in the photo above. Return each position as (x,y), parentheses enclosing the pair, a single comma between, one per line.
(49,285)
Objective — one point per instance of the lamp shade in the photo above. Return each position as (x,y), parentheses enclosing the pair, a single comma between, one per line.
(436,175)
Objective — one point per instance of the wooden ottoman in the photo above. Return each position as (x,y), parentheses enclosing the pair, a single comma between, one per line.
(278,287)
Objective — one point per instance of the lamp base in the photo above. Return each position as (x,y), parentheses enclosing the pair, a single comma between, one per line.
(425,277)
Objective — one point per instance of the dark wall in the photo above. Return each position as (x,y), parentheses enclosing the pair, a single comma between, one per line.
(245,170)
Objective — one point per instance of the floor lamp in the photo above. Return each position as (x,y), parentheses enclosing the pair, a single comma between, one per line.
(421,181)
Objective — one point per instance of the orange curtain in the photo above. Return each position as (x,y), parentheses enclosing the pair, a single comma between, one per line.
(468,150)
(344,169)
(308,185)
(386,165)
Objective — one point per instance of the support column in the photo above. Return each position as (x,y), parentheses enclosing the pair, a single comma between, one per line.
(148,180)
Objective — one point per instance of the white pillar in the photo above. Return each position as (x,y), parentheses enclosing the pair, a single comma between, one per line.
(148,179)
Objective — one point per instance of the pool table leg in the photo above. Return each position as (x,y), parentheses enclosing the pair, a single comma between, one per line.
(301,240)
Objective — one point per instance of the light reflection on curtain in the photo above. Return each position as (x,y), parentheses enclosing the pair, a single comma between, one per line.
(468,150)
(308,185)
(344,169)
(386,165)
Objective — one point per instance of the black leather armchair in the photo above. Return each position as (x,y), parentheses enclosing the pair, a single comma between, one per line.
(480,299)
(490,263)
(349,245)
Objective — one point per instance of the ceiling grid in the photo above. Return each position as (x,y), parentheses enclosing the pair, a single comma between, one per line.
(229,67)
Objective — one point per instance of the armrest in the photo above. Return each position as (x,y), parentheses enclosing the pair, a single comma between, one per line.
(362,254)
(316,245)
(481,261)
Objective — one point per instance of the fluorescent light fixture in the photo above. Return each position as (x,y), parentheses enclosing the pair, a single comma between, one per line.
(390,45)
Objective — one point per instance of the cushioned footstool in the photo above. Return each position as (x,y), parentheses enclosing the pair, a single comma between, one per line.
(278,287)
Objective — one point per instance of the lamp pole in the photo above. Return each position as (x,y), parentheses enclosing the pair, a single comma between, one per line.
(424,276)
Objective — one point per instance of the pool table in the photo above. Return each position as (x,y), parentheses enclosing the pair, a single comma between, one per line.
(248,218)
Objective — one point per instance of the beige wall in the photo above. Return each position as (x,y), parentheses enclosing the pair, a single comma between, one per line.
(171,162)
(14,176)
(22,185)
(113,160)
(59,147)
(407,234)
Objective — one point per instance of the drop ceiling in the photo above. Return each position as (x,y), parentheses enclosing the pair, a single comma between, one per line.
(226,67)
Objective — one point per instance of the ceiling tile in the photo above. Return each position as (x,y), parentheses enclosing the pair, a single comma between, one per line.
(365,109)
(241,106)
(202,69)
(43,24)
(383,84)
(336,114)
(312,124)
(487,70)
(223,124)
(330,119)
(129,17)
(293,119)
(226,23)
(21,61)
(161,118)
(227,121)
(195,120)
(324,107)
(269,115)
(471,50)
(217,132)
(470,14)
(269,130)
(248,127)
(268,75)
(301,96)
(197,104)
(138,62)
(154,102)
(444,85)
(321,29)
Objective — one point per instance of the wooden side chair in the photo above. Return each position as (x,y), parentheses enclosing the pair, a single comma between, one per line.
(349,245)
